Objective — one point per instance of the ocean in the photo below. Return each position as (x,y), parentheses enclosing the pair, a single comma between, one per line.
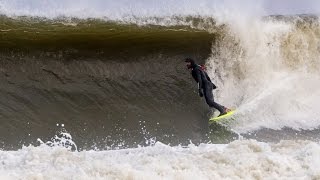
(100,90)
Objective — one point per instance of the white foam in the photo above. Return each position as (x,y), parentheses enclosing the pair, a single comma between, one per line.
(268,70)
(241,159)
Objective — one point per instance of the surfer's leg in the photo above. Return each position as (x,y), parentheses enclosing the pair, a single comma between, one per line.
(210,101)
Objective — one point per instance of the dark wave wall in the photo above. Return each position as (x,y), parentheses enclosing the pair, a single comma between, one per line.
(109,84)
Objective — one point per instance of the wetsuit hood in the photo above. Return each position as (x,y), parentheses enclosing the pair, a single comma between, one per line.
(193,64)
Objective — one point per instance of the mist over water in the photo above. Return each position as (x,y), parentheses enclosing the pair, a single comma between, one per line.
(100,90)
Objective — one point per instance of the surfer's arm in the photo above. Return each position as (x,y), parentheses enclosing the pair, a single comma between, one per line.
(214,86)
(207,77)
(198,79)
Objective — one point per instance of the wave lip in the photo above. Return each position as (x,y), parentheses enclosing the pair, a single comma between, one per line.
(124,9)
(37,33)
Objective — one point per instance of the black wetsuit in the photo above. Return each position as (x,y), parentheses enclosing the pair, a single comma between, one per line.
(205,85)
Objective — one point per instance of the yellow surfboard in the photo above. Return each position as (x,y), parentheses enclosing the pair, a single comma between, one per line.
(226,116)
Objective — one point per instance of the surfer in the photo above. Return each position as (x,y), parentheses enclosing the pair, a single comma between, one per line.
(205,86)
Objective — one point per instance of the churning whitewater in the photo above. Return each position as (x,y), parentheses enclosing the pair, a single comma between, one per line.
(99,90)
(247,159)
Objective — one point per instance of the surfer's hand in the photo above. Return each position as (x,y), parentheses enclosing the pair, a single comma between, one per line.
(200,92)
(214,86)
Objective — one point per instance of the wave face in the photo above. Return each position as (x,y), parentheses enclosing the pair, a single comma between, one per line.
(118,80)
(102,80)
